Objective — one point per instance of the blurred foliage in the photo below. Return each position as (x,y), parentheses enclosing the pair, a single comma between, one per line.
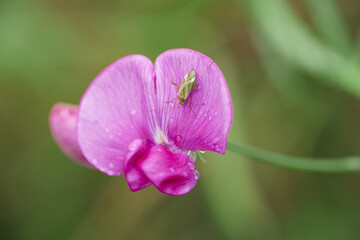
(293,69)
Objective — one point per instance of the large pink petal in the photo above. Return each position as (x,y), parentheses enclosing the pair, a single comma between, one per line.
(171,173)
(207,131)
(113,112)
(62,122)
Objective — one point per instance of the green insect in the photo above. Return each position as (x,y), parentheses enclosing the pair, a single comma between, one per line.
(185,88)
(188,83)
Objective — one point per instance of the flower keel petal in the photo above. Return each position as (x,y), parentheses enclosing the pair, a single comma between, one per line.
(135,177)
(171,173)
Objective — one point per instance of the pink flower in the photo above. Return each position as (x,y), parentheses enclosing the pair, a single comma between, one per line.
(125,123)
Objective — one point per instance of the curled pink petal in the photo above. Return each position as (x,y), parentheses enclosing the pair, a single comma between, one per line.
(171,173)
(113,112)
(62,121)
(206,123)
(138,149)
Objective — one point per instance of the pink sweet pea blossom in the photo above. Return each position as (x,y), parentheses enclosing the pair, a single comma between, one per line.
(126,124)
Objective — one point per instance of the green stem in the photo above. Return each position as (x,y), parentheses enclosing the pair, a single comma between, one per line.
(325,165)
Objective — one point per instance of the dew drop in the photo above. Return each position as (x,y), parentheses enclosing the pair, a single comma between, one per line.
(217,148)
(202,151)
(185,174)
(159,149)
(191,165)
(134,144)
(133,112)
(172,169)
(210,117)
(197,174)
(178,139)
(64,113)
(205,114)
(111,165)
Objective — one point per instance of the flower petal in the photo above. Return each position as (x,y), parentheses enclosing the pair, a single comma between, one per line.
(138,149)
(113,112)
(211,101)
(171,173)
(62,122)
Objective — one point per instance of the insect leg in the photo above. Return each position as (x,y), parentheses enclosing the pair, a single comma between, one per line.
(195,102)
(172,80)
(172,100)
(191,108)
(176,84)
(182,109)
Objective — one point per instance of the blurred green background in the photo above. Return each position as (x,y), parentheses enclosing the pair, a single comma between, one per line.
(293,69)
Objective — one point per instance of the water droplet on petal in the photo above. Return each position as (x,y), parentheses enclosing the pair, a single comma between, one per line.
(217,148)
(172,169)
(185,174)
(159,149)
(133,112)
(178,139)
(202,151)
(205,114)
(210,117)
(191,165)
(197,174)
(64,113)
(134,144)
(111,165)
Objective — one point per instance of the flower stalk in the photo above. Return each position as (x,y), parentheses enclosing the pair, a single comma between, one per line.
(321,165)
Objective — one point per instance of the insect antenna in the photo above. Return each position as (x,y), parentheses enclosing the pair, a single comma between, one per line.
(165,107)
(172,100)
(177,69)
(204,73)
